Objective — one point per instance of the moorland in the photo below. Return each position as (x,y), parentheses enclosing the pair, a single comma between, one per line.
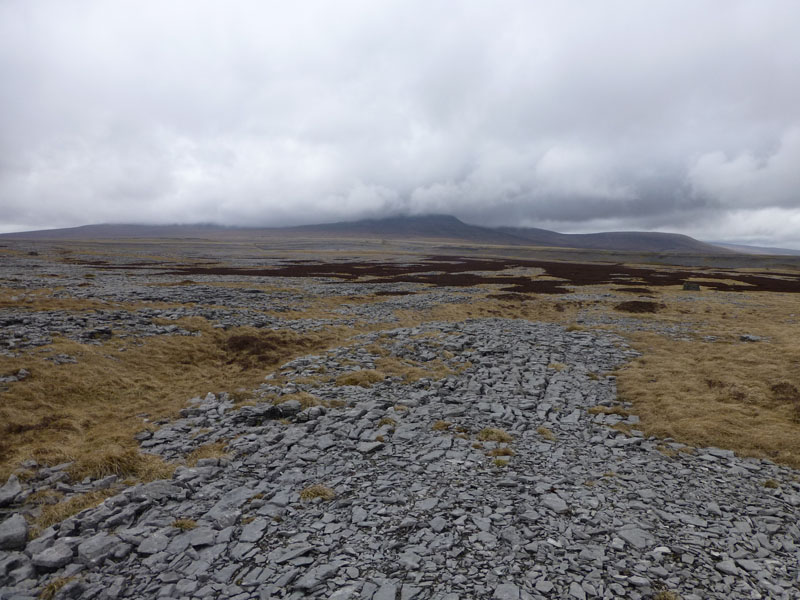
(523,377)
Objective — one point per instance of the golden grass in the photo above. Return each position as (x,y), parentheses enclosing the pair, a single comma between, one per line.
(363,378)
(317,491)
(441,426)
(608,410)
(212,450)
(491,434)
(51,589)
(305,399)
(666,595)
(121,461)
(387,421)
(502,451)
(546,433)
(88,412)
(184,524)
(412,371)
(55,513)
(726,394)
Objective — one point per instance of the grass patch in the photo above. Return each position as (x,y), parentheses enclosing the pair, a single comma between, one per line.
(491,434)
(546,433)
(55,513)
(88,412)
(364,378)
(184,524)
(51,589)
(441,426)
(726,394)
(121,461)
(212,450)
(387,421)
(608,410)
(502,451)
(317,491)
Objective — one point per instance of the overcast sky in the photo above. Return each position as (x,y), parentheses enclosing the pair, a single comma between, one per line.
(576,116)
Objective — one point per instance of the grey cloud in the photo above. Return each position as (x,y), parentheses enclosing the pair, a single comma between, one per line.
(618,115)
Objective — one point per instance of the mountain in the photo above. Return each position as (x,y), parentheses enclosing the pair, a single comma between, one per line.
(426,226)
(439,227)
(635,241)
(759,250)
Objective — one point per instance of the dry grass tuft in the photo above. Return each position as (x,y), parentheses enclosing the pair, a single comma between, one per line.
(546,433)
(305,399)
(51,589)
(184,524)
(55,513)
(364,378)
(500,462)
(441,426)
(212,450)
(121,461)
(503,451)
(412,371)
(317,491)
(608,410)
(387,421)
(667,595)
(491,434)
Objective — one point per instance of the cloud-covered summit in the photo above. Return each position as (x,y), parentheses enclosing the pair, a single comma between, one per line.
(675,116)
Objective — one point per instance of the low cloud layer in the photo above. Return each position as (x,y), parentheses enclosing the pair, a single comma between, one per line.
(671,116)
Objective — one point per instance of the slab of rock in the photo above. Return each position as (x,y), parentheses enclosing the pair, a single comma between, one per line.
(10,490)
(555,503)
(56,556)
(97,548)
(13,533)
(636,537)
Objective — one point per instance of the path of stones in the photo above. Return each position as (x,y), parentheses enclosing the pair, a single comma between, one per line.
(424,512)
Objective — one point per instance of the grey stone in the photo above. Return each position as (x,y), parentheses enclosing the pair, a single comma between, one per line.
(13,533)
(576,591)
(555,503)
(636,537)
(56,556)
(369,447)
(201,536)
(97,548)
(388,591)
(10,491)
(253,531)
(728,567)
(313,577)
(153,543)
(506,591)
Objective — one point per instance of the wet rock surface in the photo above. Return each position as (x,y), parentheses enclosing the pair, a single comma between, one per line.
(426,498)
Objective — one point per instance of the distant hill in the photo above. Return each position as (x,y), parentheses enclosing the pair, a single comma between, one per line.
(759,250)
(636,241)
(439,227)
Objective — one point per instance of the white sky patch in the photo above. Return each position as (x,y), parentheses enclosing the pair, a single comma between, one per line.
(657,116)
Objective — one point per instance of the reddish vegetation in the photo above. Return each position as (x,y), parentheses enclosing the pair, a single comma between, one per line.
(467,272)
(637,306)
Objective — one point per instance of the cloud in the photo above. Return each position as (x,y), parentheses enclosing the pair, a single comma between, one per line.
(658,115)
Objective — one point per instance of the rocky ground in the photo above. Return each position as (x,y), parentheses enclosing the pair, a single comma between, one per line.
(501,479)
